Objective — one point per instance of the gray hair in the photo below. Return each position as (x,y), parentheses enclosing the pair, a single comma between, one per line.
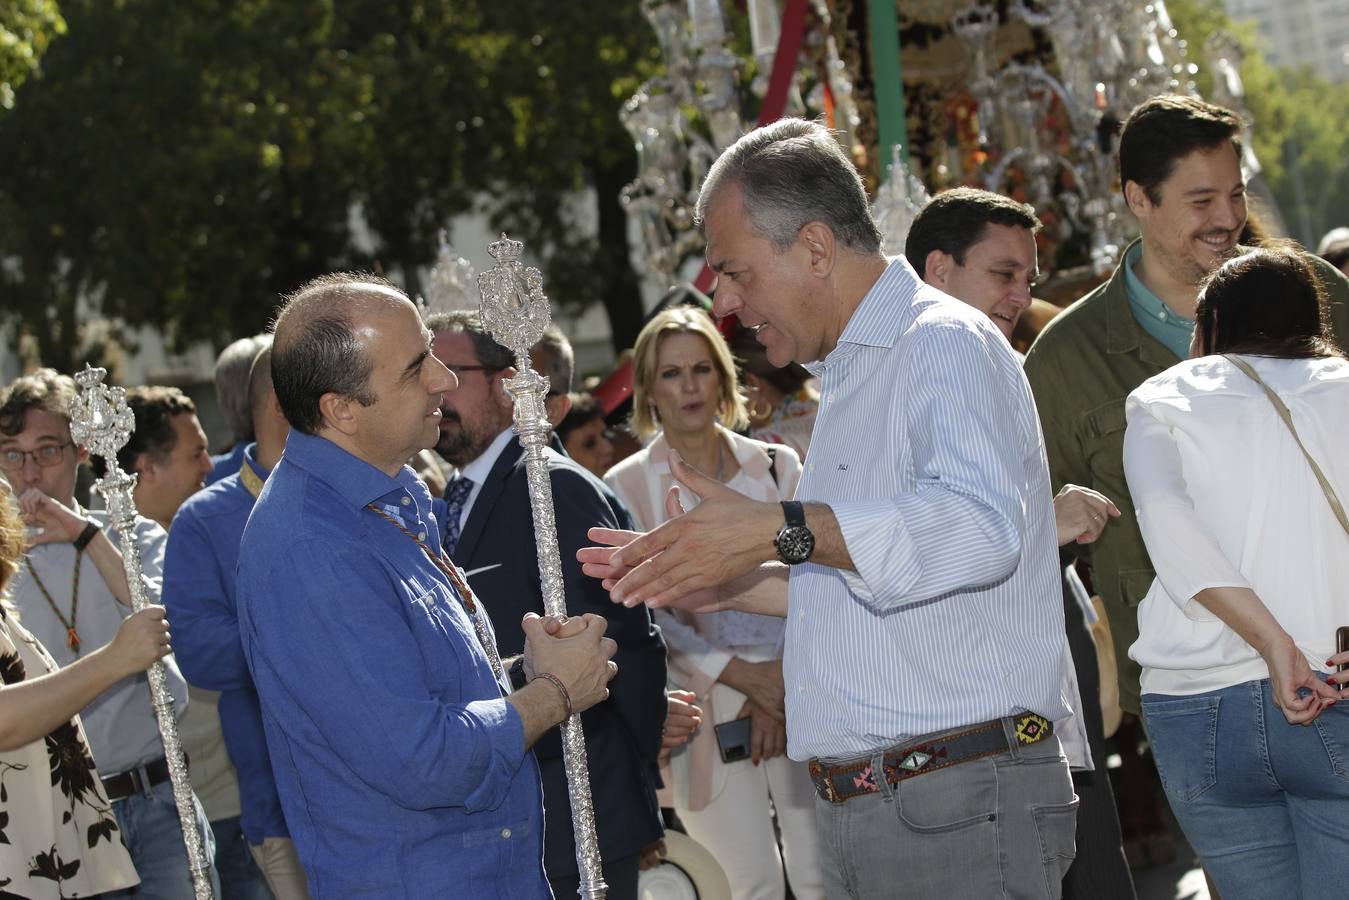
(231,384)
(792,173)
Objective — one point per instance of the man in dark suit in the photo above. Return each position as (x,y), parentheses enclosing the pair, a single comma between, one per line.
(489,532)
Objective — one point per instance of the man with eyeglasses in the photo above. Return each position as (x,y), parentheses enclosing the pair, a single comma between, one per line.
(73,594)
(487,527)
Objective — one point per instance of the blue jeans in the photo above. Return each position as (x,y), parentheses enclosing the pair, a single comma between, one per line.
(153,837)
(240,877)
(1265,804)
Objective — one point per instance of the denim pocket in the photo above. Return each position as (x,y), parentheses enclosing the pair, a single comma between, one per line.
(1183,732)
(1056,827)
(944,801)
(1332,726)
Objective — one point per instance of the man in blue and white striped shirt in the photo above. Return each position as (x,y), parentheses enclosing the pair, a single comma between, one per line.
(925,629)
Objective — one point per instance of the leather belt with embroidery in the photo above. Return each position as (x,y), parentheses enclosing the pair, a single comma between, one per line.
(841,781)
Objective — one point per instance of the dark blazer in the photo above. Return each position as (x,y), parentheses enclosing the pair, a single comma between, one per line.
(623,734)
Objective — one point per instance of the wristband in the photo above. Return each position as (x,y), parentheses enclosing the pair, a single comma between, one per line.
(87,535)
(561,688)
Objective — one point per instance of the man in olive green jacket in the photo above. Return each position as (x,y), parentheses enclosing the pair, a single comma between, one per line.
(1180,168)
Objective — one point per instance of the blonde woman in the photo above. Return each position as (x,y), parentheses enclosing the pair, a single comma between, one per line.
(686,398)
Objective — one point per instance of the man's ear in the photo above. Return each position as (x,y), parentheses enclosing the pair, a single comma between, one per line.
(937,267)
(338,413)
(144,468)
(1136,197)
(818,240)
(558,405)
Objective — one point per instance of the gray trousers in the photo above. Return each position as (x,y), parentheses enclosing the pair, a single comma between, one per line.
(999,827)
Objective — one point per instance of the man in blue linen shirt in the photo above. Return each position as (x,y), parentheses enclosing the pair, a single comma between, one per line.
(399,752)
(925,626)
(199,589)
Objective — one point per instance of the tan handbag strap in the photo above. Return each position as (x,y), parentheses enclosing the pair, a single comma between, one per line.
(1287,417)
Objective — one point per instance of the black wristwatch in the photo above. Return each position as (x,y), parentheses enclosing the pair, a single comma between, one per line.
(794,542)
(87,535)
(517,673)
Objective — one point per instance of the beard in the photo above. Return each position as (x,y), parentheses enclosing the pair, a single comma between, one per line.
(458,444)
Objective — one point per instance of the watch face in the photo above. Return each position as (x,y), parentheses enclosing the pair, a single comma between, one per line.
(795,544)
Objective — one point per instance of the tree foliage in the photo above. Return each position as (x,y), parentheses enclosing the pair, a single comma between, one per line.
(26,27)
(183,162)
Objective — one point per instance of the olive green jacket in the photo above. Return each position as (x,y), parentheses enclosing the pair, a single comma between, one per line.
(1081,369)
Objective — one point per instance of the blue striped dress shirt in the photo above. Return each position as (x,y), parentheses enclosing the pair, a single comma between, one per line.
(928,449)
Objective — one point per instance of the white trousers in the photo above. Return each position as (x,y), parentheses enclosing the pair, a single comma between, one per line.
(737,826)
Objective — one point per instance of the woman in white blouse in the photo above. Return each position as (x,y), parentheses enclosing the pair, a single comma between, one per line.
(1237,634)
(685,394)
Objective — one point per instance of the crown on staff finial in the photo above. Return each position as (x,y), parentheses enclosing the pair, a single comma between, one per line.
(514,308)
(506,251)
(100,419)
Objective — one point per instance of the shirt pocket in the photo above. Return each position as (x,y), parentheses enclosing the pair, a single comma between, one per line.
(1103,441)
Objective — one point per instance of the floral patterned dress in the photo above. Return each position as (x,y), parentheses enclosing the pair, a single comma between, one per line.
(58,834)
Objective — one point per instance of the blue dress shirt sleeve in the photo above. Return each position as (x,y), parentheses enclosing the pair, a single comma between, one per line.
(201,608)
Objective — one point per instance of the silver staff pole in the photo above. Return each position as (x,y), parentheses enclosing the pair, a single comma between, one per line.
(515,312)
(101,422)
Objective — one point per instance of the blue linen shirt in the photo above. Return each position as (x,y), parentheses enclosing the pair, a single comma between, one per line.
(928,449)
(199,593)
(226,464)
(401,767)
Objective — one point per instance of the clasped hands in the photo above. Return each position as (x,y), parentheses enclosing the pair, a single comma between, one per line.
(575,651)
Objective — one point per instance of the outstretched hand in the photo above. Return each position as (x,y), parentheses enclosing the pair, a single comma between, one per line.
(725,536)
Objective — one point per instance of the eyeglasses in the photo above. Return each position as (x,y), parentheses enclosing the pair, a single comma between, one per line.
(47,456)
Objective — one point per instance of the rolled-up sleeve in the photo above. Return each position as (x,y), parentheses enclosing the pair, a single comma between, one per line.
(957,529)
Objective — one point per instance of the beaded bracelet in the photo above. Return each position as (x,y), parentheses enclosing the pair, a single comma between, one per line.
(557,683)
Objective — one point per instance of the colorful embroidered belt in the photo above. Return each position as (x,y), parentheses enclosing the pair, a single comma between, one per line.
(841,781)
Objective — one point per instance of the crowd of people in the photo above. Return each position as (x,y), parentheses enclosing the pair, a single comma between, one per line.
(818,614)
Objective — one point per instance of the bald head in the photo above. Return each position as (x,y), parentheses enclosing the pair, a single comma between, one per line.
(319,347)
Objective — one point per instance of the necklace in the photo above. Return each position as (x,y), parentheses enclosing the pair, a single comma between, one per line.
(72,636)
(448,569)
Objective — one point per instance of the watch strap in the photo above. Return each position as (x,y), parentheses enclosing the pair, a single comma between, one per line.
(794,511)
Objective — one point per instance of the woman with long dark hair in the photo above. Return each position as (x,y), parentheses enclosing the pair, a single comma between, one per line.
(1236,462)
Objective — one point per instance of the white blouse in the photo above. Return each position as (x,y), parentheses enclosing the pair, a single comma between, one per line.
(1226,499)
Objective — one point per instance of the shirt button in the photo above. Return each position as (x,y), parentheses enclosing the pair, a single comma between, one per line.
(505,834)
(407,501)
(421,535)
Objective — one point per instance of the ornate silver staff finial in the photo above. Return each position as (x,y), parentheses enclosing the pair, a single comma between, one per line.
(101,421)
(514,308)
(515,313)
